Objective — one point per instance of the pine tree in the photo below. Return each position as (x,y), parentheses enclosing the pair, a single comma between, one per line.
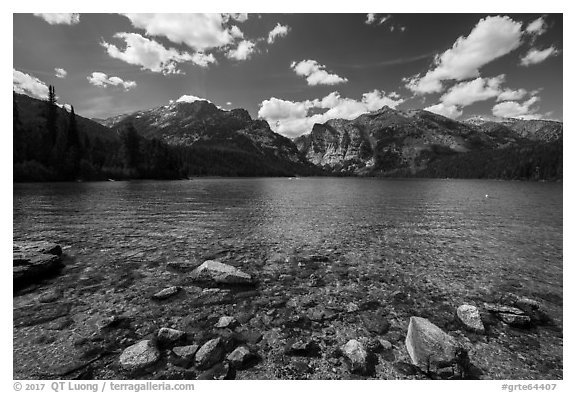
(52,119)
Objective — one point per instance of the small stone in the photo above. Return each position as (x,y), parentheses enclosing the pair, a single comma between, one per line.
(470,318)
(386,345)
(139,355)
(356,357)
(240,357)
(170,336)
(166,293)
(352,307)
(226,322)
(209,354)
(217,272)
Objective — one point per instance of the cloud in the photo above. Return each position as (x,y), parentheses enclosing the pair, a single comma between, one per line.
(60,73)
(198,31)
(237,17)
(191,98)
(535,56)
(316,73)
(151,55)
(278,31)
(491,38)
(294,118)
(517,110)
(100,79)
(536,27)
(243,51)
(26,84)
(451,111)
(372,19)
(60,19)
(511,95)
(467,93)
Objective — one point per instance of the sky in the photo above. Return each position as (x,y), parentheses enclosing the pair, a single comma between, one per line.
(295,70)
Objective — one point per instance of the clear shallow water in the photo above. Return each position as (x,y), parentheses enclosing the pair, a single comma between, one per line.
(446,229)
(440,242)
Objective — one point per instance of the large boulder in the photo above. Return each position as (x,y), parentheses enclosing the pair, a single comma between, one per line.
(33,261)
(217,272)
(469,316)
(209,354)
(429,347)
(139,355)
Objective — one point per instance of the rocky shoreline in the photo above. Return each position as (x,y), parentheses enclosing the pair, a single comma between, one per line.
(286,317)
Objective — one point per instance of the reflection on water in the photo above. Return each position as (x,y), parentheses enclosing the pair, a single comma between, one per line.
(466,236)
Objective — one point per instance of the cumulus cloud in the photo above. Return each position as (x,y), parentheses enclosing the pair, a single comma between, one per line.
(469,92)
(237,17)
(511,95)
(278,31)
(100,79)
(294,118)
(536,27)
(535,56)
(316,73)
(517,110)
(243,51)
(198,31)
(451,111)
(27,84)
(491,38)
(60,73)
(60,19)
(153,56)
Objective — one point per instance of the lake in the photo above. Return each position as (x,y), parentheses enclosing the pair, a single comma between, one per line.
(442,242)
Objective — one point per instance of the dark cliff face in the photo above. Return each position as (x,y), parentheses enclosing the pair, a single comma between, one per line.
(392,142)
(202,125)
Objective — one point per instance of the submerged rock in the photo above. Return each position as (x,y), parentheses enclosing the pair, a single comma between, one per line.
(139,355)
(429,347)
(302,347)
(512,316)
(356,357)
(470,318)
(226,322)
(166,293)
(375,322)
(209,354)
(212,271)
(184,355)
(27,269)
(515,320)
(218,372)
(182,266)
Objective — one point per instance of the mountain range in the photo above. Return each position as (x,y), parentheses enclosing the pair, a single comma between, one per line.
(198,138)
